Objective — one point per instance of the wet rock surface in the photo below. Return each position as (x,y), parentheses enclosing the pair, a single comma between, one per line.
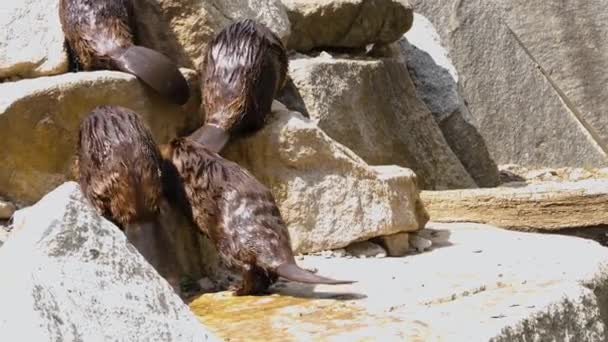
(77,278)
(472,288)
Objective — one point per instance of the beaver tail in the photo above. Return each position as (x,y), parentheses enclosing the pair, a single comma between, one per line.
(293,272)
(213,137)
(154,69)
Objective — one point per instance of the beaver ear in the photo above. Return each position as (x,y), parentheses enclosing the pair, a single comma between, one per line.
(212,137)
(154,69)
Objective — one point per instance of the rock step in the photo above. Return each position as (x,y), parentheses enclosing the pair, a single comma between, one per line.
(475,288)
(539,206)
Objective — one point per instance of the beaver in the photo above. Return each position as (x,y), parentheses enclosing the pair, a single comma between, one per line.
(244,67)
(120,174)
(240,217)
(101,35)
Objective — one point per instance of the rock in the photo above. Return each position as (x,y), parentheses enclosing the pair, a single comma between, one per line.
(366,249)
(370,106)
(537,206)
(517,107)
(419,243)
(572,53)
(436,79)
(6,210)
(182,28)
(39,120)
(451,294)
(79,279)
(31,39)
(327,195)
(396,245)
(346,23)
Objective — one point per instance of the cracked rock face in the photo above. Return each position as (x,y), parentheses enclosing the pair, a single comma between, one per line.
(346,23)
(525,115)
(78,279)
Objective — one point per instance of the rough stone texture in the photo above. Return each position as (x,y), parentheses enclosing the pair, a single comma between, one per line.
(435,79)
(538,206)
(39,122)
(6,209)
(396,245)
(473,289)
(183,28)
(516,107)
(346,23)
(370,106)
(77,278)
(568,40)
(31,39)
(366,249)
(327,195)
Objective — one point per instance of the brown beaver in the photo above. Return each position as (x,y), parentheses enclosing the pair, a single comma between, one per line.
(120,174)
(244,67)
(101,35)
(239,215)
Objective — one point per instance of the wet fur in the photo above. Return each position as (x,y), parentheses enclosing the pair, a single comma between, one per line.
(101,35)
(244,68)
(238,214)
(120,174)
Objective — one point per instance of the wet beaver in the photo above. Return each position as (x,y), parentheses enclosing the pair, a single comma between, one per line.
(120,174)
(244,67)
(101,35)
(239,215)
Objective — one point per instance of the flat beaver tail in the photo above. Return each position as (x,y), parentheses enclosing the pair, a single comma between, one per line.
(154,69)
(211,136)
(293,272)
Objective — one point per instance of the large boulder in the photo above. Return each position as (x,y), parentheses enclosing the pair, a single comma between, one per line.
(39,120)
(327,195)
(371,106)
(436,84)
(31,39)
(525,111)
(183,28)
(71,275)
(346,23)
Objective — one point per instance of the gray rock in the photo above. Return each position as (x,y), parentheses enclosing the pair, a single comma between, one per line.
(31,39)
(77,278)
(515,105)
(366,249)
(371,106)
(568,41)
(435,79)
(346,23)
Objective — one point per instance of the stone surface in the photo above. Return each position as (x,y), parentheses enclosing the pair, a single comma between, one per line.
(182,28)
(537,206)
(517,107)
(31,39)
(327,195)
(473,289)
(6,209)
(396,245)
(435,79)
(366,249)
(568,42)
(346,23)
(371,106)
(79,279)
(39,121)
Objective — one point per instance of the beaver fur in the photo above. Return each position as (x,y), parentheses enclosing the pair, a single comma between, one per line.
(239,215)
(244,67)
(101,35)
(120,174)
